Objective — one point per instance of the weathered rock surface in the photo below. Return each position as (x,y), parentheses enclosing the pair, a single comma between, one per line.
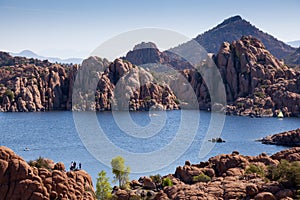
(98,85)
(257,83)
(288,138)
(18,180)
(228,179)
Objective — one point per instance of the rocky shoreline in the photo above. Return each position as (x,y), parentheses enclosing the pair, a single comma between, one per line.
(19,180)
(288,138)
(225,176)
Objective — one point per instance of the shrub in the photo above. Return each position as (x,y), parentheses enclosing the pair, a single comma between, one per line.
(201,178)
(177,101)
(157,179)
(10,94)
(251,169)
(286,172)
(167,182)
(40,163)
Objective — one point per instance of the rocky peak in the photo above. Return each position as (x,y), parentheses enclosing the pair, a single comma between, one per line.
(234,28)
(145,53)
(231,20)
(145,45)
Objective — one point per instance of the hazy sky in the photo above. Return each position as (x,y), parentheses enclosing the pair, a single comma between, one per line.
(74,28)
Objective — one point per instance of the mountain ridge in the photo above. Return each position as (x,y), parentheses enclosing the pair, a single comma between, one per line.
(234,28)
(30,54)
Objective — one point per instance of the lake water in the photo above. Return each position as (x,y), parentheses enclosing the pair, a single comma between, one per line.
(54,135)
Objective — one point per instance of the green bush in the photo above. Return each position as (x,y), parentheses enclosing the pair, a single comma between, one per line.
(255,169)
(167,182)
(177,101)
(201,178)
(40,163)
(286,172)
(10,94)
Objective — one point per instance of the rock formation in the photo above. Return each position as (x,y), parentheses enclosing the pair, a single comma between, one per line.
(256,83)
(148,53)
(228,178)
(32,85)
(122,86)
(41,86)
(288,138)
(18,180)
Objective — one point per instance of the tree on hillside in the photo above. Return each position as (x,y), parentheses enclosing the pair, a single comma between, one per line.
(120,171)
(103,188)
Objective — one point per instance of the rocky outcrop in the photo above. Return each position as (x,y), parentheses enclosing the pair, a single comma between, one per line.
(122,86)
(256,82)
(148,53)
(18,180)
(228,178)
(288,138)
(27,86)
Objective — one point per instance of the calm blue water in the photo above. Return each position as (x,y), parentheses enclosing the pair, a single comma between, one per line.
(53,135)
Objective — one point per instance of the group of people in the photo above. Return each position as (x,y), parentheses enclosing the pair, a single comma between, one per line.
(73,166)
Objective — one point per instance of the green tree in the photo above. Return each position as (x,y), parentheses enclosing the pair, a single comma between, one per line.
(167,182)
(120,171)
(103,188)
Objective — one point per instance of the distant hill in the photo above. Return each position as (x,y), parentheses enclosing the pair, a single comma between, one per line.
(295,43)
(294,58)
(233,29)
(31,54)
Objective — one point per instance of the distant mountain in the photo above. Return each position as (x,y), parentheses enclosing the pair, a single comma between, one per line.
(294,58)
(295,43)
(233,29)
(31,54)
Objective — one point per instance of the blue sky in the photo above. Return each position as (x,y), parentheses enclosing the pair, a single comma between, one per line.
(74,28)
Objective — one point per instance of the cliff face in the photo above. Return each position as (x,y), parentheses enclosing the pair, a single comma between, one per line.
(121,86)
(18,180)
(33,85)
(28,86)
(256,82)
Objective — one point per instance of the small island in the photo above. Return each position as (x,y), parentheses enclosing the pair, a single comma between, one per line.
(288,138)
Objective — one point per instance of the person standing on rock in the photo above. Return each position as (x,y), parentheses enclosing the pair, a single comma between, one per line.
(79,166)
